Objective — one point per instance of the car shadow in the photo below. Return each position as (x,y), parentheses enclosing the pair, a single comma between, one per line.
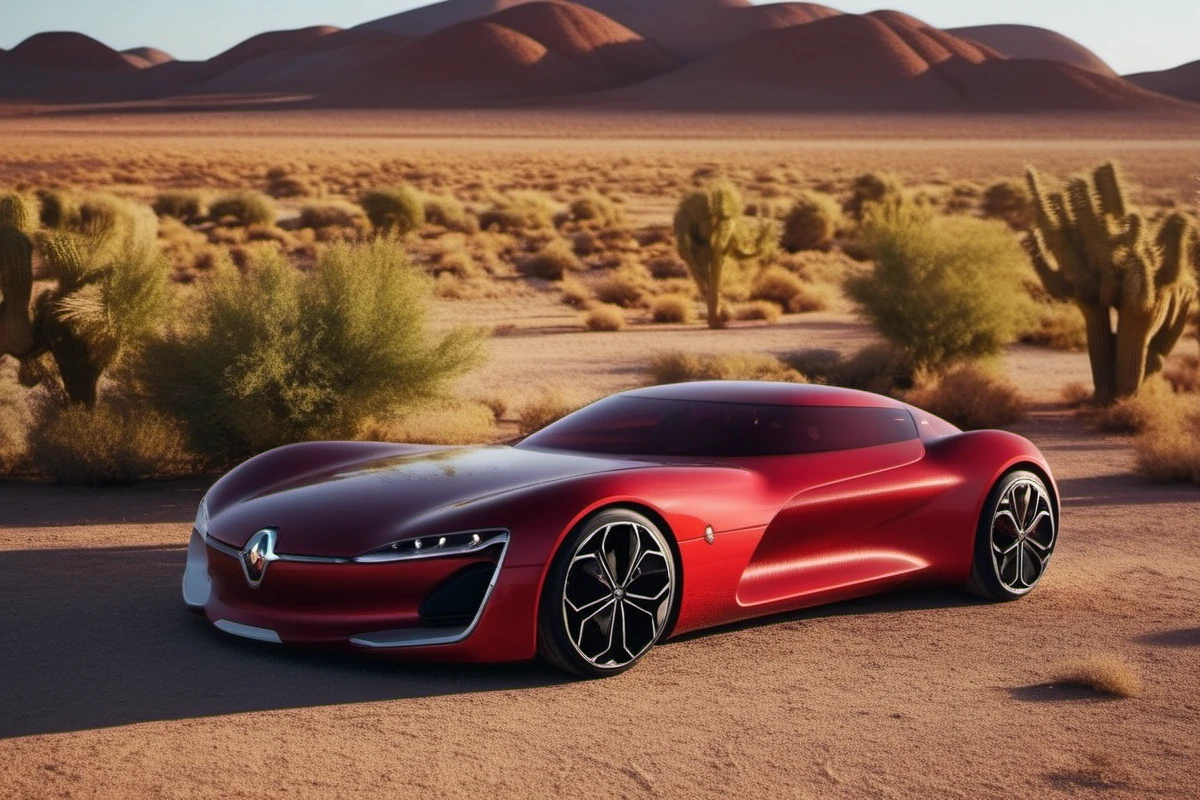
(100,637)
(1180,637)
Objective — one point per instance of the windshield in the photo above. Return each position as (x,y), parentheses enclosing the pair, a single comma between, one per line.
(646,426)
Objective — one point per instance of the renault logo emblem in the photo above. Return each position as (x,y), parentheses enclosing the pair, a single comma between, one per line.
(258,554)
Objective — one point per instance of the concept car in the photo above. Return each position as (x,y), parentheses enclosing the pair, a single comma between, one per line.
(643,516)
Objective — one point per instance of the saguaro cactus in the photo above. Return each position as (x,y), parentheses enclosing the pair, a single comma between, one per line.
(16,278)
(1088,246)
(710,228)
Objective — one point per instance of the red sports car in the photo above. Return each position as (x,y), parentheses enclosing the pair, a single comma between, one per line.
(643,516)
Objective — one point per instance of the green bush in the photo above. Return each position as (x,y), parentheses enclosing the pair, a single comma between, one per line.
(943,288)
(275,356)
(243,208)
(399,211)
(812,223)
(182,205)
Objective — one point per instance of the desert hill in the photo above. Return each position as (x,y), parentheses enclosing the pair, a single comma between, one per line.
(439,16)
(1182,82)
(61,50)
(147,56)
(1028,41)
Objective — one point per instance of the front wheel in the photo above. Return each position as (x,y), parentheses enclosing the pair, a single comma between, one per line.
(1015,538)
(609,595)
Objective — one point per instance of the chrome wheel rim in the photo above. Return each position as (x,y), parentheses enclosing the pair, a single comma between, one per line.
(1023,535)
(618,593)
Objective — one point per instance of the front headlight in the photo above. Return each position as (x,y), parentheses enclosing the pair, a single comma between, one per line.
(451,544)
(201,523)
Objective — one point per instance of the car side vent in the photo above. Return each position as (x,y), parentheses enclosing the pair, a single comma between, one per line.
(456,601)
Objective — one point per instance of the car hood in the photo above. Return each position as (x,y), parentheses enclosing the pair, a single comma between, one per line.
(353,507)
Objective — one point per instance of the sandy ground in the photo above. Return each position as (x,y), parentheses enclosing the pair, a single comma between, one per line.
(111,689)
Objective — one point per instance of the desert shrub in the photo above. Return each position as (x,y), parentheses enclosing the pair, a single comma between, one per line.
(666,267)
(680,367)
(243,208)
(605,318)
(595,207)
(1077,395)
(971,398)
(552,262)
(776,285)
(547,407)
(869,189)
(812,297)
(181,205)
(344,344)
(1169,448)
(451,423)
(1056,325)
(879,368)
(399,210)
(447,212)
(1009,202)
(812,223)
(1183,373)
(283,184)
(56,209)
(943,288)
(673,308)
(517,212)
(575,294)
(757,311)
(1107,674)
(1157,405)
(622,288)
(14,417)
(331,214)
(108,444)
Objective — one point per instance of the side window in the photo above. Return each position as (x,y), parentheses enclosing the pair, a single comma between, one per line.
(824,430)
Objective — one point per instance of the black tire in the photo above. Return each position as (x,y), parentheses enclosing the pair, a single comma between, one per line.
(1014,539)
(596,586)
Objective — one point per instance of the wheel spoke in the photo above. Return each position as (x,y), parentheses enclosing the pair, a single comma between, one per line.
(1022,535)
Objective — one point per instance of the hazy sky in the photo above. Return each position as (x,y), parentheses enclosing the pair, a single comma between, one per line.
(1131,36)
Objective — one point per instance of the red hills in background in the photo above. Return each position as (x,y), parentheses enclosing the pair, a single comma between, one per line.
(720,55)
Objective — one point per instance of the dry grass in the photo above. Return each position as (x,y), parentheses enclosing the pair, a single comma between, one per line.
(680,367)
(1157,405)
(970,397)
(450,423)
(552,262)
(1104,673)
(605,318)
(1057,325)
(1168,448)
(673,309)
(758,311)
(547,406)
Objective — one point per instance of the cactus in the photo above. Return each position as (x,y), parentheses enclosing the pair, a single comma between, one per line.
(710,228)
(1088,246)
(108,289)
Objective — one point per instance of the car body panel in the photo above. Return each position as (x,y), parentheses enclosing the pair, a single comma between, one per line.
(753,536)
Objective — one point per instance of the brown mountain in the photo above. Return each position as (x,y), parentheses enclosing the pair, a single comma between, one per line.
(1027,41)
(147,56)
(439,16)
(1182,82)
(61,50)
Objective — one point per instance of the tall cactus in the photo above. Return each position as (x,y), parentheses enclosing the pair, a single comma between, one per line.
(1088,246)
(709,229)
(109,288)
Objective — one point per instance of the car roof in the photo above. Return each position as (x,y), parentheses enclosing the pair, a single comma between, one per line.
(766,393)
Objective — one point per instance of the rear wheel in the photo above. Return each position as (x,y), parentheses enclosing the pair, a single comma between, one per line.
(609,595)
(1015,539)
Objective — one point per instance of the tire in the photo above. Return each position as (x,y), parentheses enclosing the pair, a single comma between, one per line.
(1014,539)
(600,615)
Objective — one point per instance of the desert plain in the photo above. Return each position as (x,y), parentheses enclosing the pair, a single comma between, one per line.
(111,689)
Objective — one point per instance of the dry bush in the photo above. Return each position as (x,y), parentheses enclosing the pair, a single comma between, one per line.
(625,288)
(548,406)
(518,212)
(1183,373)
(1105,673)
(879,368)
(870,189)
(666,267)
(108,444)
(575,294)
(447,212)
(1077,395)
(184,206)
(680,367)
(971,398)
(450,423)
(332,214)
(1156,405)
(1057,325)
(673,308)
(14,417)
(605,318)
(281,183)
(757,311)
(812,223)
(1009,202)
(1168,448)
(399,210)
(243,208)
(595,208)
(552,262)
(776,285)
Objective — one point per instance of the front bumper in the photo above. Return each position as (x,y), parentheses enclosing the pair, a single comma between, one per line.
(484,611)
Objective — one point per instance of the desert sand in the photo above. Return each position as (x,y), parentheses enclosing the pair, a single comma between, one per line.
(111,689)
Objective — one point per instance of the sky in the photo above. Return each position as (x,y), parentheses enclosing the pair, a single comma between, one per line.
(1131,36)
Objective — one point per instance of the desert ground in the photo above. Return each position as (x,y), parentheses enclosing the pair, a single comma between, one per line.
(111,689)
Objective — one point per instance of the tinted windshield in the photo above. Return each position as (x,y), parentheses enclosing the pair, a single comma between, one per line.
(649,426)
